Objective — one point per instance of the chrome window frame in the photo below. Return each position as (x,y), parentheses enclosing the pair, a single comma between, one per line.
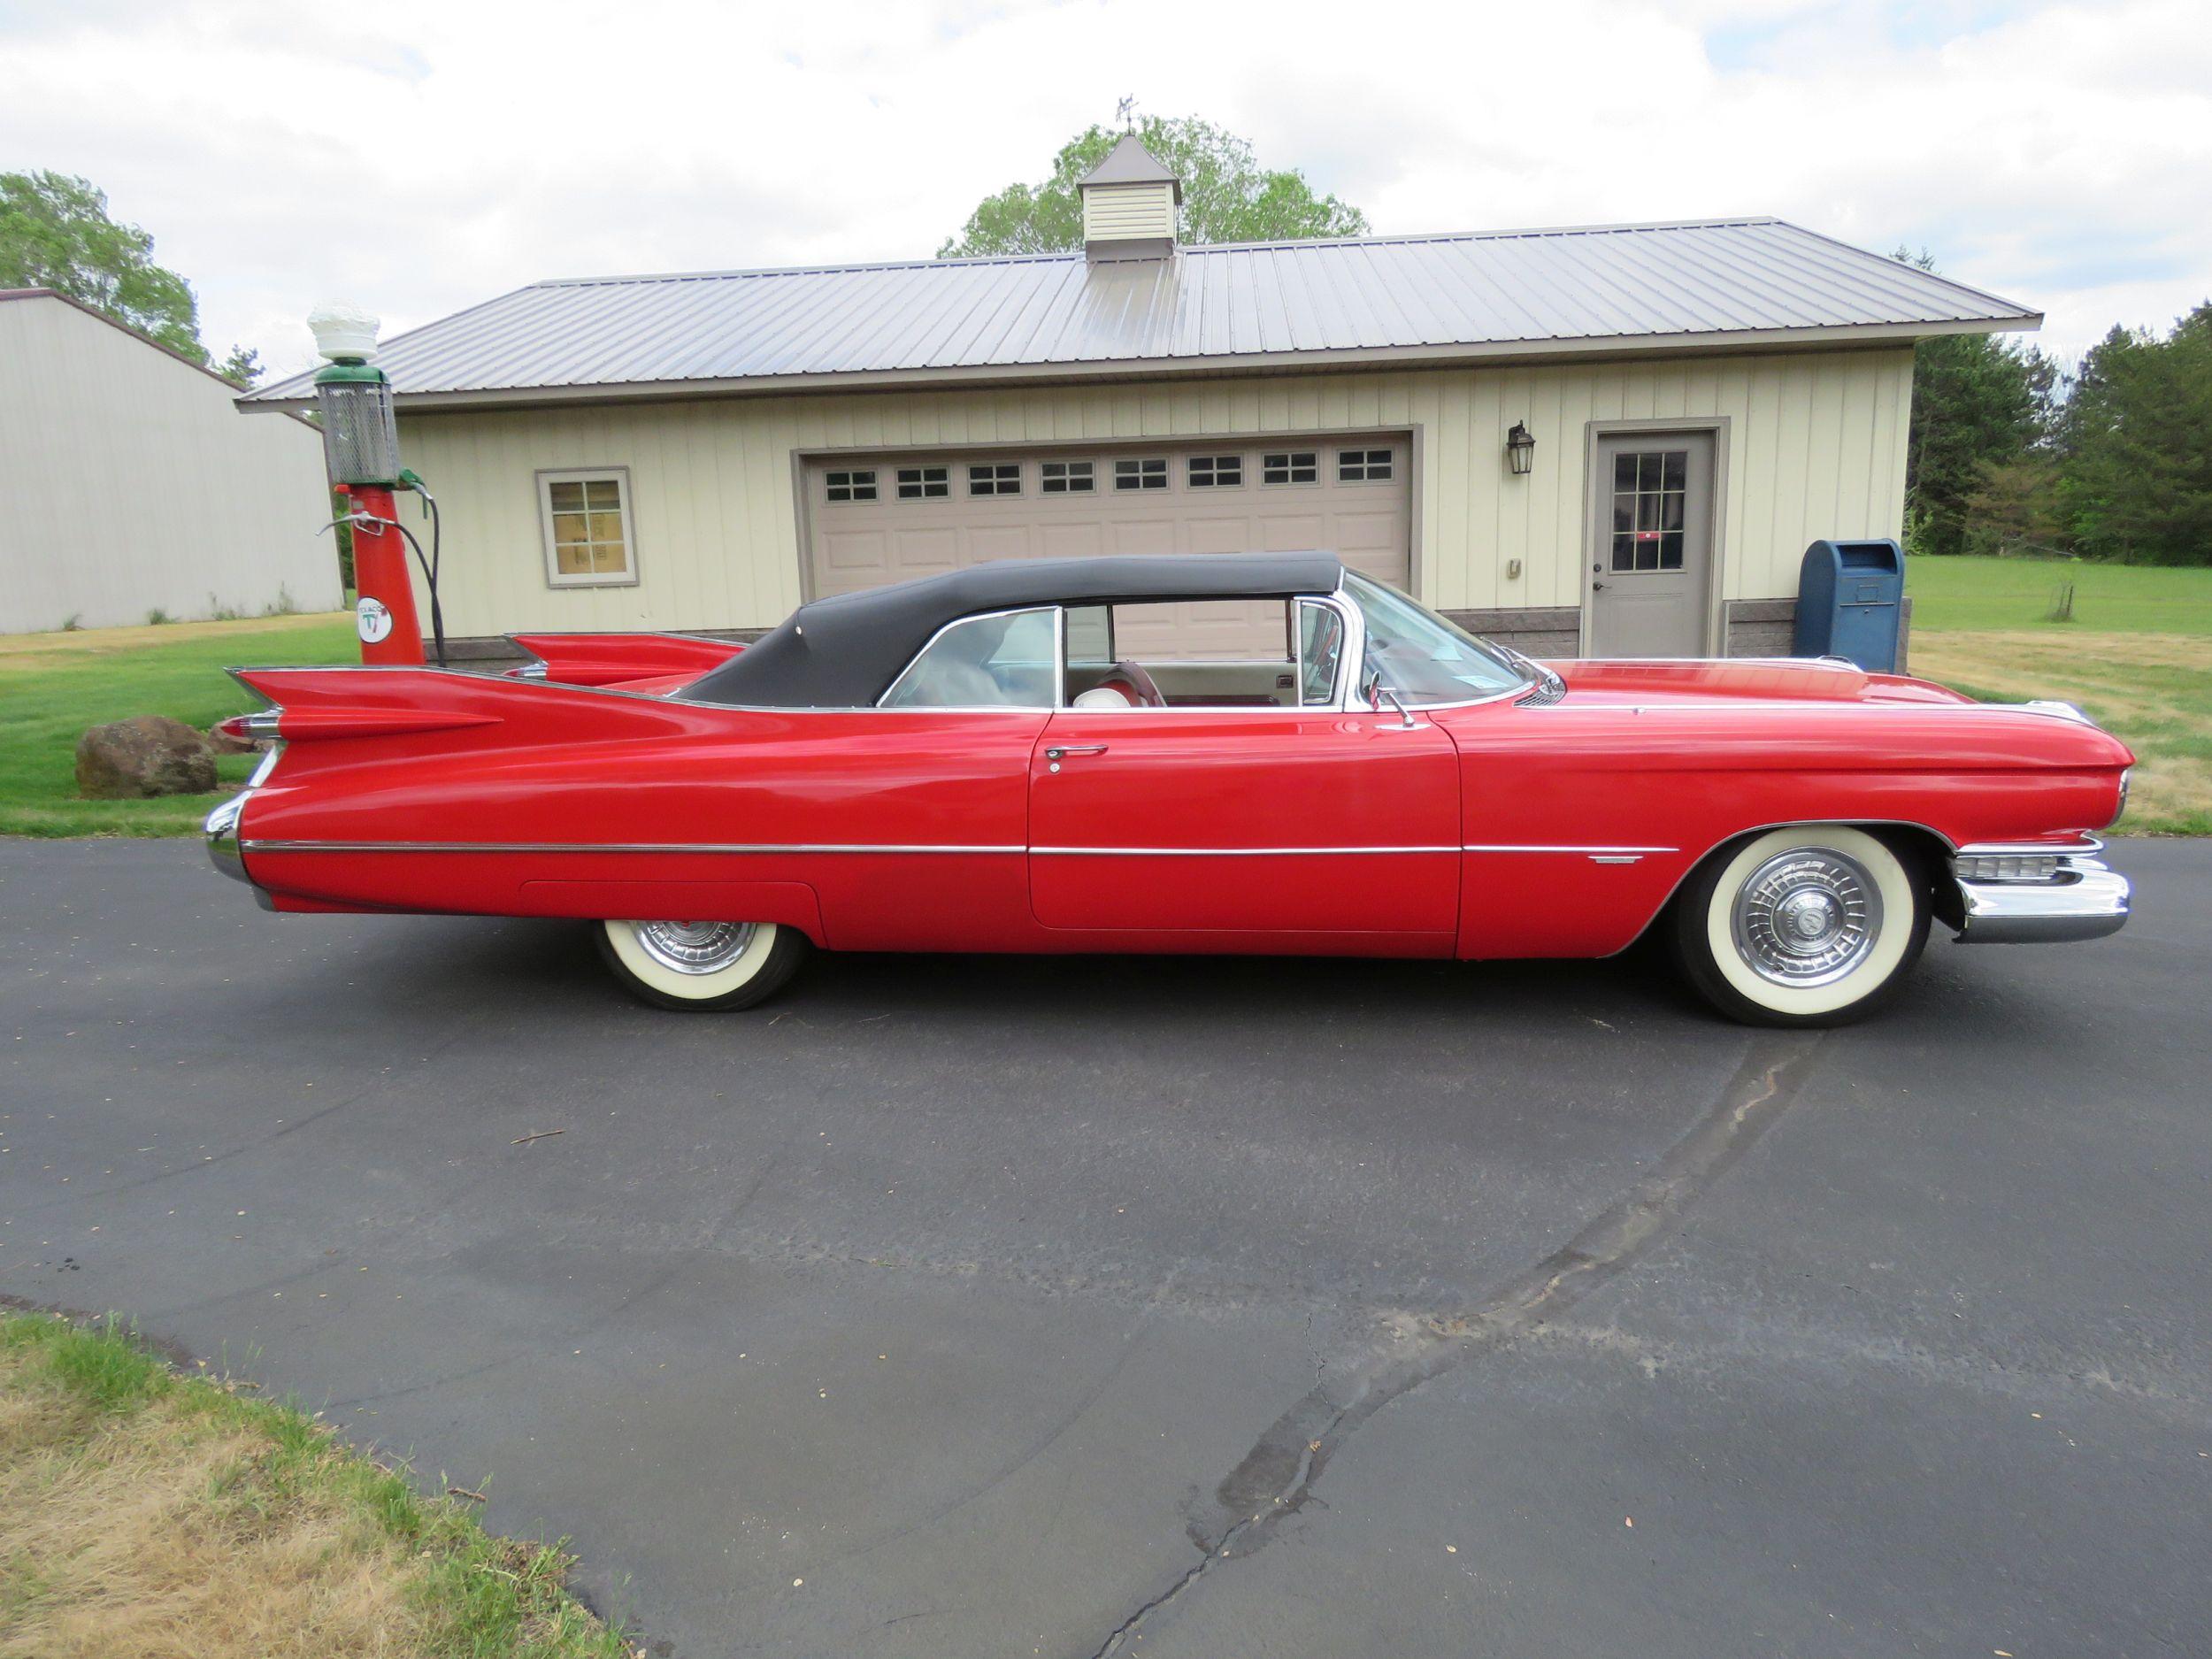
(1342,693)
(1521,690)
(1059,667)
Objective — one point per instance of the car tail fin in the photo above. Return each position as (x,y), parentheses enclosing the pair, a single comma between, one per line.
(346,715)
(614,659)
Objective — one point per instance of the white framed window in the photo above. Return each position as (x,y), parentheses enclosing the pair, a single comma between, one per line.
(853,484)
(1290,466)
(1215,471)
(1147,472)
(1067,478)
(1362,466)
(994,477)
(925,483)
(585,512)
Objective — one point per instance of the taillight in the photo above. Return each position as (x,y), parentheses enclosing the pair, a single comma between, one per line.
(258,727)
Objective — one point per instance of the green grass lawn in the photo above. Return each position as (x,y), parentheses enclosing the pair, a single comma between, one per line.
(2137,658)
(53,685)
(1952,595)
(146,1513)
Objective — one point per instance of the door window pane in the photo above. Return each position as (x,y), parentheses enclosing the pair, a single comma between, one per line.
(1320,650)
(1009,661)
(1650,508)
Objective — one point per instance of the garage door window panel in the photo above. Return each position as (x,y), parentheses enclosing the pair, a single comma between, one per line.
(1290,466)
(1215,471)
(1143,473)
(995,477)
(1067,478)
(850,485)
(1364,466)
(925,483)
(1006,659)
(586,517)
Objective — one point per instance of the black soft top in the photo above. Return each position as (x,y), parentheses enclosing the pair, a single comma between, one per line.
(843,652)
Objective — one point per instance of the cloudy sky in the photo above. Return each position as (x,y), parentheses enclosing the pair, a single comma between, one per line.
(420,158)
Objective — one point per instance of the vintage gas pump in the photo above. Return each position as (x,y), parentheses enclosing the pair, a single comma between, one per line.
(361,450)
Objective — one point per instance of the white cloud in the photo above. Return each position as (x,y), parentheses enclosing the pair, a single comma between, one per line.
(422,158)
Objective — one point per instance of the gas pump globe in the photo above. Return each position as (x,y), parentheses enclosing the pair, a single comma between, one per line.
(360,437)
(353,399)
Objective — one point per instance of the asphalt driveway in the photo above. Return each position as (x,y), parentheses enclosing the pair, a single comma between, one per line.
(962,1306)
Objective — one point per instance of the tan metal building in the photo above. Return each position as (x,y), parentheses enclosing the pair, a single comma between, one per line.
(129,485)
(1607,440)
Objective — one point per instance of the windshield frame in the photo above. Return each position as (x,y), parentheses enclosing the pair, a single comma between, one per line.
(1527,676)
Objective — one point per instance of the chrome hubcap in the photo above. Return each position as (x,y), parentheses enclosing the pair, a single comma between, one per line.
(1807,916)
(696,947)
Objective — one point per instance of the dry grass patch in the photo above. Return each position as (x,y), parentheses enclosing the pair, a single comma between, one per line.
(147,1514)
(2153,691)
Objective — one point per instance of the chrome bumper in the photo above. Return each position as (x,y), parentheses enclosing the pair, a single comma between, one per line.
(2081,898)
(223,850)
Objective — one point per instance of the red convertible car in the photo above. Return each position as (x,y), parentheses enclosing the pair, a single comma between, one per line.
(1248,753)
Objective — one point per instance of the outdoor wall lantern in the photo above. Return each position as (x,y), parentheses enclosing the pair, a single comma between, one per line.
(1520,450)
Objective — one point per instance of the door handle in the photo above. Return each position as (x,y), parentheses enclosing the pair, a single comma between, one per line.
(1065,750)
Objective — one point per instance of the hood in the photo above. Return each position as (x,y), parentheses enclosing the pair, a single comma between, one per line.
(1735,679)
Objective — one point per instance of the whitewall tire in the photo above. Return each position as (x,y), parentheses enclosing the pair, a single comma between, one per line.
(1815,924)
(702,964)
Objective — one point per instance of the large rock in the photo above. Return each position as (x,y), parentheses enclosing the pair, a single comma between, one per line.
(151,754)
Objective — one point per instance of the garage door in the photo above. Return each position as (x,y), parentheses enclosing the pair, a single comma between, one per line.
(884,518)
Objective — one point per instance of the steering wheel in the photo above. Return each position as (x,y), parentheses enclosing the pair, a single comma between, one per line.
(1130,679)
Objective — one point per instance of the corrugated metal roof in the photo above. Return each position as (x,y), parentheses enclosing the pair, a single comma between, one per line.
(1370,299)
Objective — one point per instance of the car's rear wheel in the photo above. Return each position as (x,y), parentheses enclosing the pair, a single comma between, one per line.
(702,964)
(1815,924)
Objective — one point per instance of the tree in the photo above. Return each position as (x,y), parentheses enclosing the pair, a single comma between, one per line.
(55,232)
(241,368)
(2136,444)
(1227,196)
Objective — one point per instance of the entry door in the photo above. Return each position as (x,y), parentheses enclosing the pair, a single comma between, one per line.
(1280,821)
(1651,555)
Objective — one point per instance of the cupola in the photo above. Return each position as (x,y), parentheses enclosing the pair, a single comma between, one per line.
(1129,202)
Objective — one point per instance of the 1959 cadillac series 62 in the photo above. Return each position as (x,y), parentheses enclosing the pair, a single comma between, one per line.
(1248,753)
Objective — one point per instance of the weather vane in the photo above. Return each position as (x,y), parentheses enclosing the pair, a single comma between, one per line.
(1124,112)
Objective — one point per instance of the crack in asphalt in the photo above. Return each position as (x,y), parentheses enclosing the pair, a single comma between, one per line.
(1276,1478)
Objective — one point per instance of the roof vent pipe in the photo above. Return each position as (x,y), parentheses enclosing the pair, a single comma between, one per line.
(1129,202)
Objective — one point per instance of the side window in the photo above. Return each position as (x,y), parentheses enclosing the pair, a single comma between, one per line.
(1192,653)
(1320,653)
(1010,660)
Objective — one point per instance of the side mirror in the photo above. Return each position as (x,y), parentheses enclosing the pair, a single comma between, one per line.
(1377,694)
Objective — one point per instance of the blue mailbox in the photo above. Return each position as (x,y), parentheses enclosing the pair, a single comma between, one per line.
(1850,595)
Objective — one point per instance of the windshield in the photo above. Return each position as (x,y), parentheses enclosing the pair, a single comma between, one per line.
(1423,657)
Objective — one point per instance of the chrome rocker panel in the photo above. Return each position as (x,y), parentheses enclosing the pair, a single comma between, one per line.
(2084,899)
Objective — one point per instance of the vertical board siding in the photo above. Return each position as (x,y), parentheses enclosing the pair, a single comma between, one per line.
(1815,448)
(130,483)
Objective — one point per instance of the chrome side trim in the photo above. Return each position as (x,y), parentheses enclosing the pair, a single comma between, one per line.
(1229,852)
(614,847)
(1518,847)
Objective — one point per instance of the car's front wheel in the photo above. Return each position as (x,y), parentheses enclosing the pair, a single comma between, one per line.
(1815,924)
(702,964)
